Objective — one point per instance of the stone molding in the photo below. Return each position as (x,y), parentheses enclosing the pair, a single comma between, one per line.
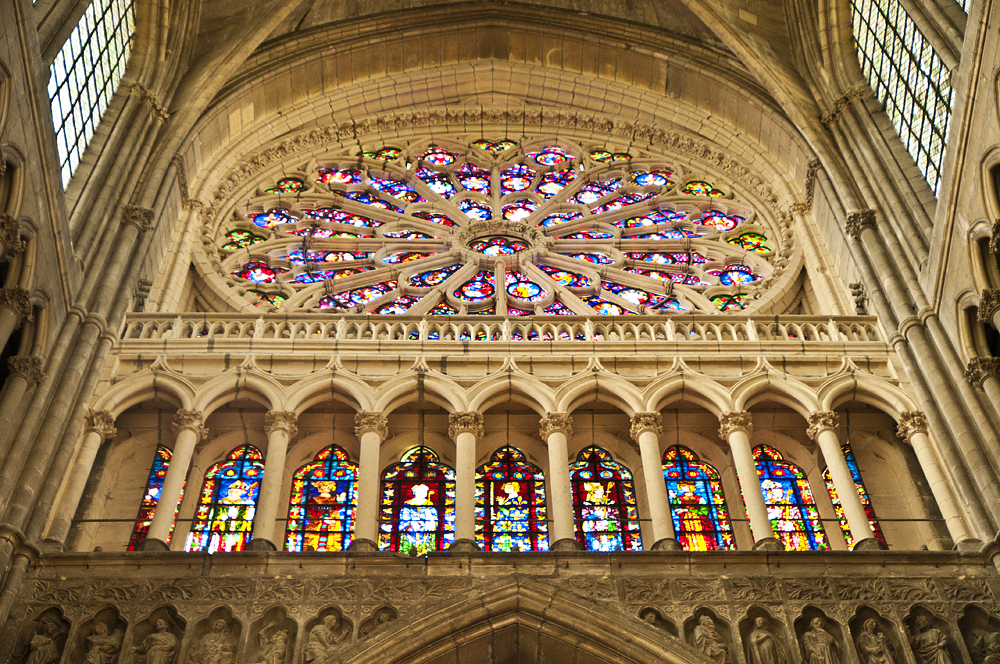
(555,423)
(822,421)
(843,101)
(981,368)
(281,420)
(17,300)
(858,221)
(140,217)
(995,238)
(989,304)
(189,419)
(101,421)
(149,99)
(30,368)
(366,421)
(810,189)
(10,237)
(737,420)
(471,422)
(911,422)
(643,422)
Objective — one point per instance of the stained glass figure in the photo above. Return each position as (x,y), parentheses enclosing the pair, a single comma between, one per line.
(151,496)
(634,295)
(606,157)
(240,239)
(273,299)
(364,295)
(498,246)
(475,210)
(439,183)
(434,217)
(604,503)
(568,279)
(728,302)
(418,504)
(477,288)
(754,242)
(474,178)
(623,200)
(273,217)
(700,188)
(522,287)
(367,198)
(345,256)
(223,520)
(595,258)
(560,218)
(551,184)
(494,147)
(697,503)
(510,504)
(659,178)
(324,501)
(734,275)
(720,220)
(439,156)
(557,308)
(519,210)
(550,156)
(432,278)
(838,507)
(399,257)
(790,504)
(605,308)
(344,176)
(257,272)
(398,306)
(444,309)
(287,186)
(383,154)
(595,191)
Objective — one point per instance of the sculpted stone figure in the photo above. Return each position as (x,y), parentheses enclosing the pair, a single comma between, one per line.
(273,645)
(216,647)
(44,647)
(820,646)
(709,641)
(985,646)
(930,644)
(103,645)
(873,645)
(322,639)
(157,648)
(764,648)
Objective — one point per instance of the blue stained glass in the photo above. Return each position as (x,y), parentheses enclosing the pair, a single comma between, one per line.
(396,189)
(734,275)
(510,503)
(621,201)
(557,308)
(550,156)
(697,503)
(589,235)
(478,288)
(652,219)
(151,497)
(340,176)
(605,308)
(432,278)
(521,287)
(515,178)
(444,309)
(474,178)
(551,184)
(407,235)
(720,220)
(274,217)
(475,210)
(519,210)
(604,503)
(300,257)
(672,234)
(634,295)
(439,156)
(498,246)
(560,218)
(323,504)
(790,505)
(669,258)
(366,198)
(568,279)
(398,306)
(418,504)
(593,192)
(364,295)
(399,257)
(224,516)
(335,216)
(652,178)
(866,502)
(323,275)
(595,258)
(436,182)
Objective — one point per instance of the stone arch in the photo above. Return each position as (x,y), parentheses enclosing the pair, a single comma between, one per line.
(607,388)
(238,385)
(866,389)
(783,390)
(326,387)
(413,386)
(697,389)
(522,389)
(139,388)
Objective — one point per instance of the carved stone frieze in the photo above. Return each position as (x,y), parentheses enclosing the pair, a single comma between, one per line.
(981,368)
(859,589)
(647,590)
(755,589)
(371,421)
(642,422)
(911,590)
(17,300)
(281,420)
(101,421)
(555,423)
(808,589)
(821,421)
(737,420)
(858,221)
(989,304)
(471,422)
(31,368)
(911,422)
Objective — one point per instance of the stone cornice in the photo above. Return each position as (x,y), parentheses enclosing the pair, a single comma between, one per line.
(31,368)
(367,421)
(981,368)
(102,422)
(149,99)
(555,423)
(911,422)
(643,422)
(281,420)
(737,420)
(822,421)
(858,221)
(989,304)
(471,422)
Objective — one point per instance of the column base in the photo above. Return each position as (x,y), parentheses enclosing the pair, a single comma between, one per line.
(151,544)
(667,544)
(261,544)
(463,546)
(768,544)
(566,545)
(969,544)
(51,545)
(870,544)
(362,546)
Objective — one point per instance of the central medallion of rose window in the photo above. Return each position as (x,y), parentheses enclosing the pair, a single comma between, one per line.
(499,246)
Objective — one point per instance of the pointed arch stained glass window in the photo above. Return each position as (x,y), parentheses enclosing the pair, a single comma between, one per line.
(150,498)
(323,504)
(790,504)
(224,518)
(510,503)
(604,503)
(418,504)
(859,483)
(697,503)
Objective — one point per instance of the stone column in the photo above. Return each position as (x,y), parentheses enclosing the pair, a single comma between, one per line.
(99,427)
(913,429)
(371,428)
(989,307)
(23,372)
(280,428)
(646,429)
(189,430)
(555,430)
(465,429)
(735,428)
(823,429)
(981,372)
(15,307)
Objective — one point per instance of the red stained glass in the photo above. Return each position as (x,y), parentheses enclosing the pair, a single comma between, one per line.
(697,503)
(323,504)
(151,496)
(838,507)
(224,516)
(790,505)
(418,504)
(604,503)
(510,503)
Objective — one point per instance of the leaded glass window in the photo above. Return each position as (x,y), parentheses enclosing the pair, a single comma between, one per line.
(909,77)
(224,517)
(151,496)
(418,504)
(697,503)
(510,503)
(859,484)
(604,503)
(790,504)
(85,75)
(323,504)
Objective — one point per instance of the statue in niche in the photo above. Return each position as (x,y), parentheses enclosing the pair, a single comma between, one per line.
(272,644)
(216,647)
(322,639)
(379,617)
(44,646)
(764,648)
(985,646)
(103,644)
(930,644)
(820,646)
(157,648)
(709,641)
(874,645)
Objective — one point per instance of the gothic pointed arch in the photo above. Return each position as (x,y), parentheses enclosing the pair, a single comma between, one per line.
(604,505)
(418,504)
(228,502)
(323,503)
(790,503)
(510,503)
(697,502)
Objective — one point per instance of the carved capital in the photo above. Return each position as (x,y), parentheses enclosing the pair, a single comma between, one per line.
(555,423)
(821,421)
(989,304)
(281,420)
(17,300)
(737,420)
(995,238)
(367,420)
(911,422)
(101,421)
(29,368)
(642,422)
(189,419)
(858,221)
(10,237)
(981,368)
(839,104)
(150,100)
(471,422)
(140,217)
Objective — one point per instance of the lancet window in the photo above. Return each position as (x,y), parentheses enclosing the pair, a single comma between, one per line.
(790,504)
(323,503)
(418,504)
(859,484)
(151,496)
(604,503)
(510,503)
(697,503)
(224,517)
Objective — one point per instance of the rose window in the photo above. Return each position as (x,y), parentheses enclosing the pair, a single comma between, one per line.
(496,227)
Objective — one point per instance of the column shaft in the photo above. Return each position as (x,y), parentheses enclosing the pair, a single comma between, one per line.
(8,323)
(843,482)
(465,486)
(269,500)
(656,488)
(366,527)
(943,495)
(560,494)
(10,399)
(173,484)
(63,518)
(746,472)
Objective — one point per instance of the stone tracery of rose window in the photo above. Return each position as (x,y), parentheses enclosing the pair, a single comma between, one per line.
(496,227)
